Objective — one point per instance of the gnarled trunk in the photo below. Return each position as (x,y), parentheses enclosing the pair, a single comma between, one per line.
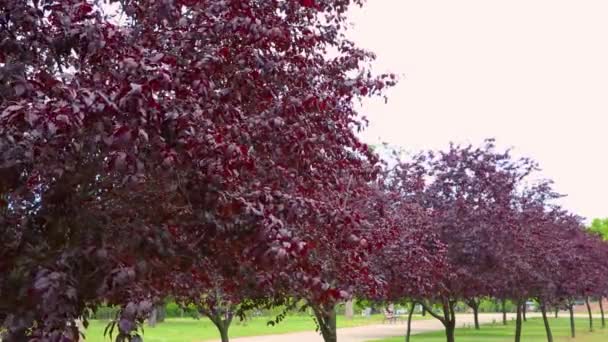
(590,314)
(543,310)
(326,318)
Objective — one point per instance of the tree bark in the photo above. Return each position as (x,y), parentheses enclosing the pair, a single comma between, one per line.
(423,311)
(518,322)
(543,310)
(409,322)
(326,318)
(572,327)
(474,304)
(222,323)
(449,331)
(602,313)
(504,311)
(224,335)
(590,314)
(524,309)
(450,320)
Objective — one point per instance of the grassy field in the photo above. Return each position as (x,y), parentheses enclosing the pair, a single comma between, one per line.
(533,331)
(188,329)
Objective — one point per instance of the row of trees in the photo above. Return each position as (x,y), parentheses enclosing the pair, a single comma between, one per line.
(207,151)
(504,237)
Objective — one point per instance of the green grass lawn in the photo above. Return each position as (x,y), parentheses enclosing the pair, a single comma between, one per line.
(533,331)
(188,329)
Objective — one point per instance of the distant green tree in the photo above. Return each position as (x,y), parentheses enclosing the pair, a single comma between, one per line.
(600,226)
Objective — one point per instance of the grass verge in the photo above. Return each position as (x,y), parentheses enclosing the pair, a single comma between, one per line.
(188,329)
(533,331)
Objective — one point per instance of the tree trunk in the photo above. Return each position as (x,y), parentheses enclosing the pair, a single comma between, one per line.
(409,322)
(476,317)
(556,311)
(543,310)
(523,311)
(450,320)
(423,311)
(449,331)
(349,311)
(518,322)
(602,312)
(326,318)
(572,328)
(590,314)
(474,304)
(224,334)
(161,313)
(504,311)
(222,324)
(152,319)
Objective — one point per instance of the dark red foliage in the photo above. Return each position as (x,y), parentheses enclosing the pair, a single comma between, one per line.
(467,193)
(505,237)
(136,144)
(153,148)
(553,258)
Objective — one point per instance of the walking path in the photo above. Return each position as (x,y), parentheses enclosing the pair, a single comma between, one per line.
(377,331)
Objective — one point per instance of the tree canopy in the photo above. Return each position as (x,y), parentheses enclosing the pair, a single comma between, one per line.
(208,151)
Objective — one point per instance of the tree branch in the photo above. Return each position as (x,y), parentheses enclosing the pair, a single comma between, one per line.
(429,309)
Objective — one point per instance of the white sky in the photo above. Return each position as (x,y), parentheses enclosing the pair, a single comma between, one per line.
(531,73)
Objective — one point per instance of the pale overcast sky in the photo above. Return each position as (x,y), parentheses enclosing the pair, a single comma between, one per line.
(531,73)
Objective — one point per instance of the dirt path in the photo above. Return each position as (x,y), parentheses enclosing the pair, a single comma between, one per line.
(377,331)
